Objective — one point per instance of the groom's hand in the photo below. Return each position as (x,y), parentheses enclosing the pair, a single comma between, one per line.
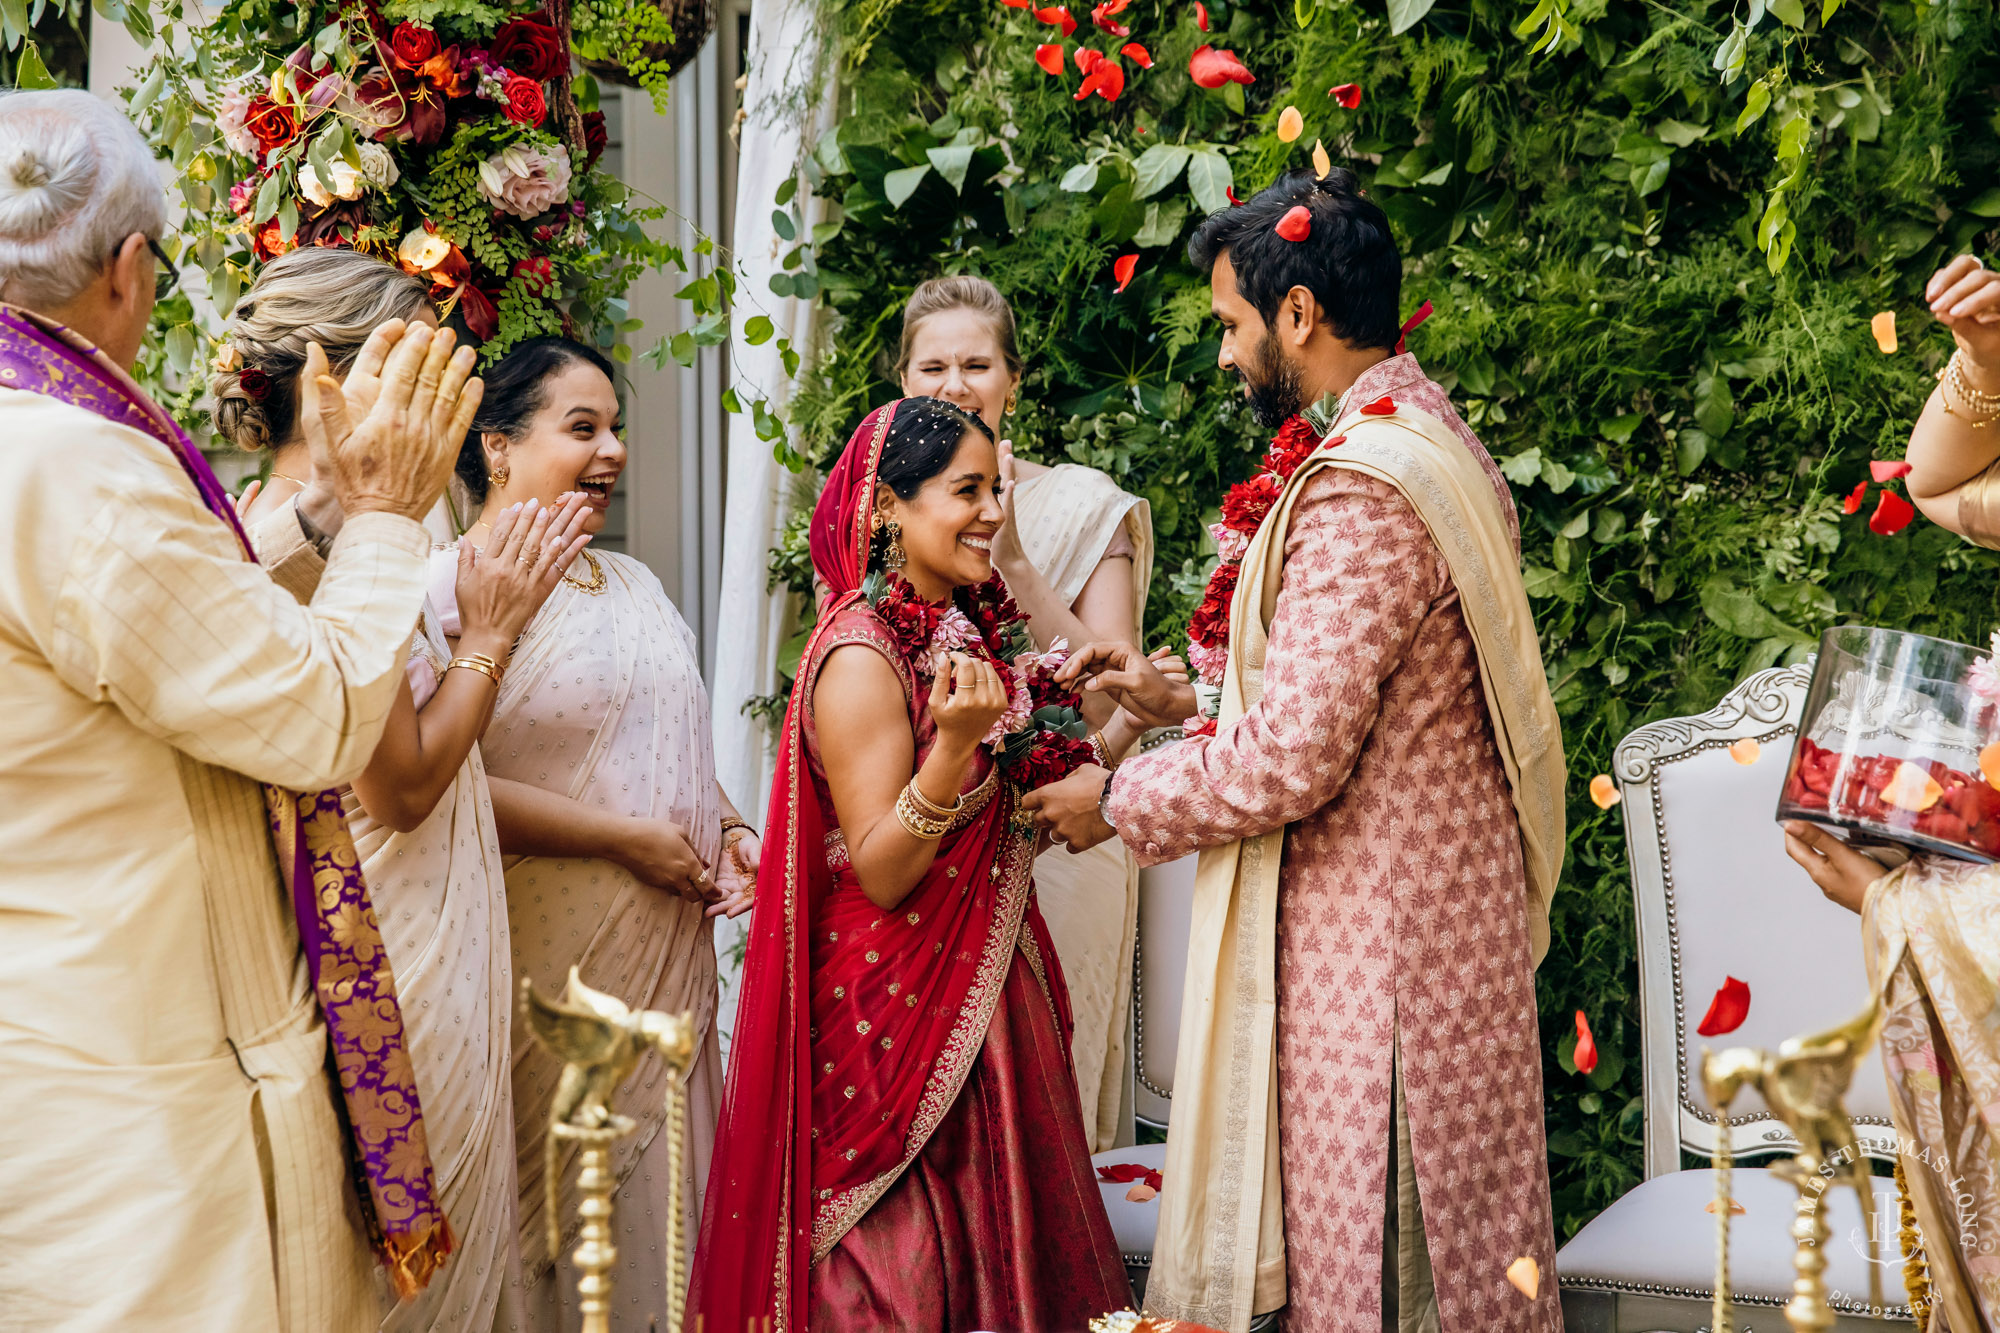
(1068,809)
(1134,680)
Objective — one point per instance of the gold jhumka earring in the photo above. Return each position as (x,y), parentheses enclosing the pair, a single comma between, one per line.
(893,555)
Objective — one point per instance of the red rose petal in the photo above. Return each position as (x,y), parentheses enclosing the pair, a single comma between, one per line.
(1297,224)
(1727,1010)
(1018,4)
(1110,80)
(1101,15)
(1381,407)
(1585,1055)
(1229,193)
(1892,514)
(1087,59)
(1347,94)
(1210,68)
(1137,54)
(1059,15)
(1852,504)
(1200,15)
(1883,470)
(1123,269)
(1050,59)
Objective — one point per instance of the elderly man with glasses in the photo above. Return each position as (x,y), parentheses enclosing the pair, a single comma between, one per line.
(187,952)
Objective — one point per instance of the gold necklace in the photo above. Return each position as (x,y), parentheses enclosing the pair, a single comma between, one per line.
(294,480)
(597,584)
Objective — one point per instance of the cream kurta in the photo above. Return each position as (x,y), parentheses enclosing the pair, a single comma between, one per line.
(1069,516)
(603,702)
(173,1159)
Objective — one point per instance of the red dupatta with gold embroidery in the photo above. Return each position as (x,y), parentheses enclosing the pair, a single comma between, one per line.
(857,1026)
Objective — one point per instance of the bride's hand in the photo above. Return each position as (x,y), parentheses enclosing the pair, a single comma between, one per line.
(736,875)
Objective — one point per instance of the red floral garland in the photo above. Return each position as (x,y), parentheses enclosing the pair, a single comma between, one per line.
(1244,508)
(1033,747)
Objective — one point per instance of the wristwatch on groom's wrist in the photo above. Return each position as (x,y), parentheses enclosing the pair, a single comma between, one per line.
(1104,801)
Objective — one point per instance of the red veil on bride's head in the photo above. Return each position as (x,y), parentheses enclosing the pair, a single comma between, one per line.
(840,534)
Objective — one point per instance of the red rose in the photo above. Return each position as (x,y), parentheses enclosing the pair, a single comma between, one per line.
(272,125)
(525,104)
(531,48)
(482,317)
(411,44)
(1246,503)
(1209,626)
(254,382)
(1051,758)
(1291,446)
(538,273)
(595,138)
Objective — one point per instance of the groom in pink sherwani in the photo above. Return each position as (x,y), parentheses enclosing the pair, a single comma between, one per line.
(1409,1091)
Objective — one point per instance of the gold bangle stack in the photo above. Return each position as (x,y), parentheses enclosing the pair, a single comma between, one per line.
(1102,749)
(481,663)
(1982,408)
(730,823)
(922,817)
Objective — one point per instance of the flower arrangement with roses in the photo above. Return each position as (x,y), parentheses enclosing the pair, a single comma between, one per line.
(1244,507)
(448,136)
(1042,737)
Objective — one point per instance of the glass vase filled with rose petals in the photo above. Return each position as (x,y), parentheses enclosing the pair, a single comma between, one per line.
(1900,743)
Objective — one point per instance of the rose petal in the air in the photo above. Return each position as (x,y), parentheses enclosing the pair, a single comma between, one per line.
(1322,164)
(1883,326)
(1886,470)
(1297,224)
(1852,504)
(1381,407)
(1122,270)
(1585,1055)
(1892,514)
(1138,55)
(1727,1010)
(1058,15)
(1526,1275)
(1049,57)
(1087,59)
(1210,68)
(1347,94)
(1604,792)
(1290,124)
(1200,15)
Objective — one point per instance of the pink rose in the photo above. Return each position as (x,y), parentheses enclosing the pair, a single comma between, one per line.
(230,115)
(525,180)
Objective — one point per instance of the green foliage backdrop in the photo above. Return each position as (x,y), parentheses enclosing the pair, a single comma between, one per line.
(1656,320)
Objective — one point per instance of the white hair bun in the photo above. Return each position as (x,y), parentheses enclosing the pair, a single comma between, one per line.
(76,179)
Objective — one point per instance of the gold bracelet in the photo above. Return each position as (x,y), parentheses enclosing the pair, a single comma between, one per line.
(932,808)
(730,823)
(1952,380)
(481,663)
(918,824)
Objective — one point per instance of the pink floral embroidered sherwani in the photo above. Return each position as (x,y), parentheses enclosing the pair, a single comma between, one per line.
(1403,939)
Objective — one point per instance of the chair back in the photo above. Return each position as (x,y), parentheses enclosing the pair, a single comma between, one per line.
(1159,976)
(1717,897)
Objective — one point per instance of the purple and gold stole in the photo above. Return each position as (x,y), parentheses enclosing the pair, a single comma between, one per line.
(386,1147)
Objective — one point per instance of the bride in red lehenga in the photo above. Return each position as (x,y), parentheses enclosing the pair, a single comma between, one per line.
(900,1144)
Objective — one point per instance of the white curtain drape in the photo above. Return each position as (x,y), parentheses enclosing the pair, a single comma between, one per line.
(789,102)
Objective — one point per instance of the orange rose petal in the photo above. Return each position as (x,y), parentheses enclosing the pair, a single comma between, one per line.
(1735,1209)
(1605,792)
(1912,788)
(1746,751)
(1322,164)
(1989,764)
(1526,1275)
(1140,1193)
(1883,326)
(1290,124)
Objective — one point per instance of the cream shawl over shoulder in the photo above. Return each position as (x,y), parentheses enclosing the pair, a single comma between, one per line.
(1224,1137)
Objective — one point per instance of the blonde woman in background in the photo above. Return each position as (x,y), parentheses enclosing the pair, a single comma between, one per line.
(334,298)
(421,814)
(1077,555)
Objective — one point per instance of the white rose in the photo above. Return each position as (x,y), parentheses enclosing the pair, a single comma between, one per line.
(340,181)
(378,166)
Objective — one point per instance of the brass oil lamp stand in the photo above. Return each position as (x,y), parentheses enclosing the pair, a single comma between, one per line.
(600,1042)
(1802,1084)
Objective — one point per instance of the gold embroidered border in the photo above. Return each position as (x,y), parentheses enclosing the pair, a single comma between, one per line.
(832,1219)
(1032,951)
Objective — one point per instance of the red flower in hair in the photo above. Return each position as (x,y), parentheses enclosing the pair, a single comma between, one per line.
(254,383)
(1246,503)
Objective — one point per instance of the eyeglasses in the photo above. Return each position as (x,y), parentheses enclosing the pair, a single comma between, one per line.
(166,274)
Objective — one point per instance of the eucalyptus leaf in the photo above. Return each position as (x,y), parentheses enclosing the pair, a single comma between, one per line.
(781,222)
